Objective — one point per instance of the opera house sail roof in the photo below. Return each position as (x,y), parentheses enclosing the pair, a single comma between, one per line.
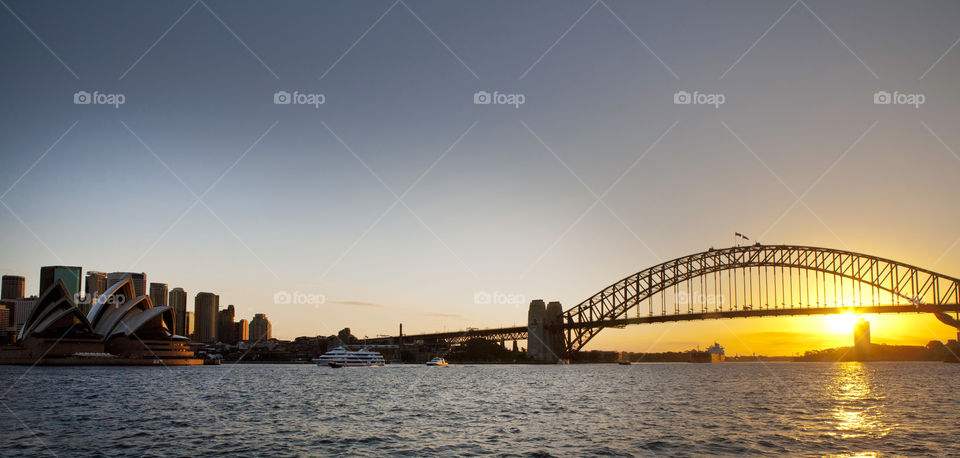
(119,324)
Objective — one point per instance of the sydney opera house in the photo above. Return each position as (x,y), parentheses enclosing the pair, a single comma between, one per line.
(121,328)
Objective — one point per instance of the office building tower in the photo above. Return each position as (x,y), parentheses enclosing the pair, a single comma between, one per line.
(177,300)
(205,307)
(188,323)
(139,281)
(242,330)
(12,287)
(158,294)
(260,328)
(861,339)
(225,325)
(95,285)
(70,275)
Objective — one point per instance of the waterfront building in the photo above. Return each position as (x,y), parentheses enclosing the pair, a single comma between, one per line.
(120,329)
(225,325)
(139,281)
(158,294)
(260,328)
(95,285)
(177,300)
(13,287)
(5,328)
(188,325)
(242,330)
(205,307)
(70,275)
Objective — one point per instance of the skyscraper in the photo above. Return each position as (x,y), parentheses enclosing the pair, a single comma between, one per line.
(206,306)
(188,325)
(96,284)
(242,330)
(12,287)
(225,325)
(139,281)
(70,275)
(158,294)
(177,300)
(260,328)
(861,339)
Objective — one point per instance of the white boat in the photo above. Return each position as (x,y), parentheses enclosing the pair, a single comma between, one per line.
(342,357)
(438,361)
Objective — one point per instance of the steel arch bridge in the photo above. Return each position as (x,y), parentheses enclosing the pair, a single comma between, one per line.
(740,281)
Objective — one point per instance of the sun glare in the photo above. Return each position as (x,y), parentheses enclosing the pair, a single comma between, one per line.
(841,323)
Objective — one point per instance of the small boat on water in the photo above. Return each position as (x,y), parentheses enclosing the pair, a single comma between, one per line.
(342,357)
(438,361)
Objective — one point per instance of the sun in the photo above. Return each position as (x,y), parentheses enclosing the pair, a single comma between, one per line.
(841,323)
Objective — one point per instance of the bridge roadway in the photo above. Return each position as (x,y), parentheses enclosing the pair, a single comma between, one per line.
(520,332)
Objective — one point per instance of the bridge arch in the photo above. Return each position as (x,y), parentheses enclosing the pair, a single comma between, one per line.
(909,288)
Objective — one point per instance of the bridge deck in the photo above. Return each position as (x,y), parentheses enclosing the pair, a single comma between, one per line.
(519,332)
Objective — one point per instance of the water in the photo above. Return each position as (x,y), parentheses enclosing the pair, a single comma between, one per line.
(646,409)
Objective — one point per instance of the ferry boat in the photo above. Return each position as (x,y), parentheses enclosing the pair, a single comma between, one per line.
(342,357)
(438,361)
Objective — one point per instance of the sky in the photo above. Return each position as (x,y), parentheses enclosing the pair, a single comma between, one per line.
(398,199)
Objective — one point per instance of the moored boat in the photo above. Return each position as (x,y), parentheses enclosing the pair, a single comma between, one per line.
(342,357)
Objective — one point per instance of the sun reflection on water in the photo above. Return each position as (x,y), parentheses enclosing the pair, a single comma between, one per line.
(857,408)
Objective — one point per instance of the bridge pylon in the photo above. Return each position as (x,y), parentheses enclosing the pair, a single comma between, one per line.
(545,340)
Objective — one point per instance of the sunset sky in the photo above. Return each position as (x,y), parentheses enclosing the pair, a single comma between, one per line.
(399,199)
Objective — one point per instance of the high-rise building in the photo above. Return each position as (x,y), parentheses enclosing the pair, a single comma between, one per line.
(242,330)
(177,300)
(12,287)
(70,275)
(5,328)
(225,325)
(21,311)
(260,328)
(139,281)
(158,294)
(861,339)
(188,323)
(95,285)
(206,306)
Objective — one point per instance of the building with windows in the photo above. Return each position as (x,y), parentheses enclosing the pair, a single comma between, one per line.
(13,286)
(177,300)
(242,330)
(226,328)
(206,307)
(96,284)
(188,325)
(260,328)
(70,276)
(158,294)
(139,280)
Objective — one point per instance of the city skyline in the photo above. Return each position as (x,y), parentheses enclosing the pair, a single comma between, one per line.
(402,196)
